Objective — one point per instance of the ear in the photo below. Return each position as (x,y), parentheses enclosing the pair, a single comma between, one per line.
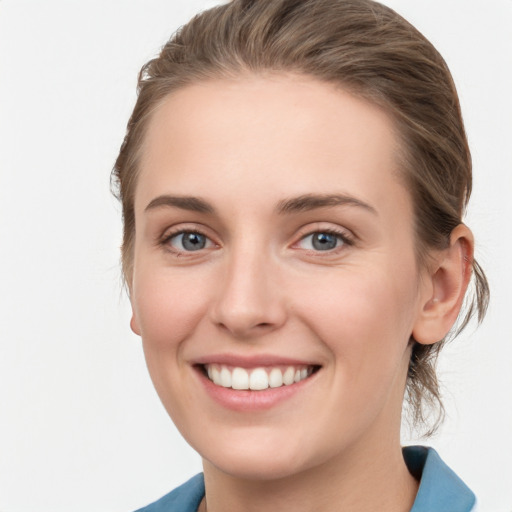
(134,324)
(446,287)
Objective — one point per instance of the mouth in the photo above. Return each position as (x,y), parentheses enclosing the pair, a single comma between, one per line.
(258,378)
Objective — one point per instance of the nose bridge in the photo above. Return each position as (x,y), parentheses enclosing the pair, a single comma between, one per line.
(249,299)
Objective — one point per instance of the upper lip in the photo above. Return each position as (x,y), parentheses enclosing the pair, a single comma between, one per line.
(252,361)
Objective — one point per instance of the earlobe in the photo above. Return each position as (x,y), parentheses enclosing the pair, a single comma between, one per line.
(448,282)
(134,324)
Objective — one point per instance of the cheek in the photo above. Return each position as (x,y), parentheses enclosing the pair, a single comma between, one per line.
(168,306)
(365,323)
(365,318)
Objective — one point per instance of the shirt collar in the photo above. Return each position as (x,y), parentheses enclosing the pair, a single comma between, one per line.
(440,488)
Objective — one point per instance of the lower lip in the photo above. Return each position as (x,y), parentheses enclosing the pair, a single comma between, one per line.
(247,401)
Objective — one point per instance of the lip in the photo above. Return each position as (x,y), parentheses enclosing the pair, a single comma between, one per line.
(253,361)
(247,400)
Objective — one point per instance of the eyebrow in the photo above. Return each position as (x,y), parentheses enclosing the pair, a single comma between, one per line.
(303,203)
(190,203)
(308,202)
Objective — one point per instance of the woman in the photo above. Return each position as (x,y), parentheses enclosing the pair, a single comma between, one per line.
(293,181)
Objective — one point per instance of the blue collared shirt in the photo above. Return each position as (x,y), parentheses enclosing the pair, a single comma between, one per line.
(441,490)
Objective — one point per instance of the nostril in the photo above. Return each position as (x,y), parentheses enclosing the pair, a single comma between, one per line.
(244,326)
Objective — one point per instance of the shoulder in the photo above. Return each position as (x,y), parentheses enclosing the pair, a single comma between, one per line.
(185,498)
(440,488)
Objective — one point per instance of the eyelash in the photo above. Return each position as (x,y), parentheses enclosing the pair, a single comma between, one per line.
(342,236)
(165,241)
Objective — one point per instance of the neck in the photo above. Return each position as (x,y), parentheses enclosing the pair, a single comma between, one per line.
(375,480)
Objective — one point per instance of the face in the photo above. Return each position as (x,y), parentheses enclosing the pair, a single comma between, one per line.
(275,285)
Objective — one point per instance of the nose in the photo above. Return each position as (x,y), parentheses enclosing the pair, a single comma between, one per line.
(250,300)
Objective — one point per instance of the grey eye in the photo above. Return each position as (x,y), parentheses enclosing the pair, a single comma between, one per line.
(324,241)
(321,241)
(189,241)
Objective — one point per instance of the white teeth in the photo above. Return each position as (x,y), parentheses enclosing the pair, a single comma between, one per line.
(215,374)
(275,379)
(289,375)
(240,379)
(225,378)
(257,379)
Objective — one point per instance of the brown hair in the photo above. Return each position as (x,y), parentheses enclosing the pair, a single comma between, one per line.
(361,46)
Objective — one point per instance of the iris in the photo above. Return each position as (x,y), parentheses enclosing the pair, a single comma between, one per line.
(190,241)
(324,241)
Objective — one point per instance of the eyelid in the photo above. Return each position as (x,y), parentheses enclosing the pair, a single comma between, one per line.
(170,233)
(346,236)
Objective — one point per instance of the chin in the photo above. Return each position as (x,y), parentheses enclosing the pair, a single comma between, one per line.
(262,461)
(256,468)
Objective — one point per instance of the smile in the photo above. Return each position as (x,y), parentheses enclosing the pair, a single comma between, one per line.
(257,379)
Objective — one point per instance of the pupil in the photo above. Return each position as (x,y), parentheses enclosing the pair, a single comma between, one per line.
(324,241)
(193,241)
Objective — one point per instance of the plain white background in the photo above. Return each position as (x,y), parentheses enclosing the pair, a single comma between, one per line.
(81,428)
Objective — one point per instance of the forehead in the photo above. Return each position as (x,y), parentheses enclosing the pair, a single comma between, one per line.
(271,136)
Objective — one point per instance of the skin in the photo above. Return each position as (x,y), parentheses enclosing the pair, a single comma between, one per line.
(259,286)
